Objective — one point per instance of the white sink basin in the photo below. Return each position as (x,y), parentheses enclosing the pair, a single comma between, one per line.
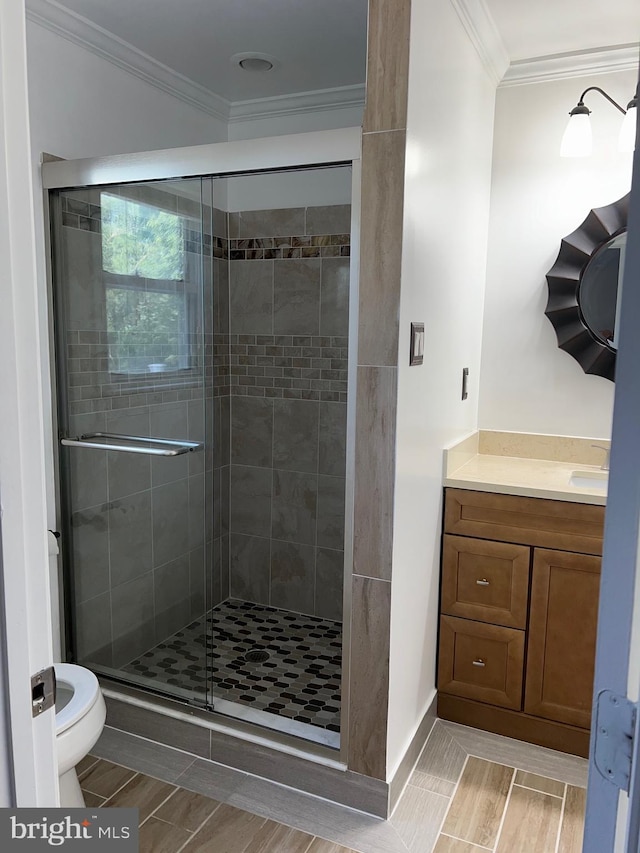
(590,479)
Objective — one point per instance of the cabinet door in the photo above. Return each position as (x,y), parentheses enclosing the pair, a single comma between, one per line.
(562,636)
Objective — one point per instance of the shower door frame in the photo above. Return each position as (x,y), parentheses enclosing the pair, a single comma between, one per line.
(318,149)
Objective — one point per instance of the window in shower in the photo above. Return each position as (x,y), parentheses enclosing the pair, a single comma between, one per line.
(150,313)
(141,239)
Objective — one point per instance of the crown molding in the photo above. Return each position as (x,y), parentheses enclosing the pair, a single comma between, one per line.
(484,35)
(73,27)
(320,100)
(561,66)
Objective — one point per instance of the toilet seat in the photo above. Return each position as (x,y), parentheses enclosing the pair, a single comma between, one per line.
(85,688)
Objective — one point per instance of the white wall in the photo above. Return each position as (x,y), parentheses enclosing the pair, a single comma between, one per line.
(83,106)
(447,185)
(304,188)
(329,119)
(528,384)
(292,190)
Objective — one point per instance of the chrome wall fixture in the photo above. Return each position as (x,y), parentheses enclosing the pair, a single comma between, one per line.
(577,139)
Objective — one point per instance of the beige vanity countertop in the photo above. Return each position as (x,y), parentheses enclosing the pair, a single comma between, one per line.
(532,465)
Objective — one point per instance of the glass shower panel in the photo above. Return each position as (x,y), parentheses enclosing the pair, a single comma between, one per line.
(202,333)
(135,391)
(281,327)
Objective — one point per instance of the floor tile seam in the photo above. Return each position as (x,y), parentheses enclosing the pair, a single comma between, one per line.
(155,743)
(159,778)
(417,761)
(86,771)
(422,751)
(523,770)
(187,840)
(455,838)
(451,798)
(355,845)
(159,806)
(252,778)
(460,742)
(202,825)
(561,821)
(429,791)
(468,750)
(504,811)
(538,791)
(234,790)
(117,791)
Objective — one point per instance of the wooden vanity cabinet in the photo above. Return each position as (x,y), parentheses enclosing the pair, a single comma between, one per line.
(519,605)
(563,617)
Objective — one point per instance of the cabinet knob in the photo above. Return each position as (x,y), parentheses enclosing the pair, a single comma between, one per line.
(482,582)
(479,662)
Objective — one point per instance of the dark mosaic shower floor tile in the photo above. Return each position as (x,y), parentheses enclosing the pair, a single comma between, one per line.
(299,679)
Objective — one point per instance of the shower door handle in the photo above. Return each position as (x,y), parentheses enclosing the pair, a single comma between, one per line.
(164,446)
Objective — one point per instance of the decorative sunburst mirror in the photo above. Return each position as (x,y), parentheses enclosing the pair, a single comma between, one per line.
(585,288)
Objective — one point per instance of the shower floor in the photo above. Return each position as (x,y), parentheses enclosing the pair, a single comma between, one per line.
(299,680)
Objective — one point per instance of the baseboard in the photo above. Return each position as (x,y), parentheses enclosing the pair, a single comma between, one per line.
(309,775)
(411,756)
(514,724)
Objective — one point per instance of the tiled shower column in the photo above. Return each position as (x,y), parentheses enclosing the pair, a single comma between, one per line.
(383,152)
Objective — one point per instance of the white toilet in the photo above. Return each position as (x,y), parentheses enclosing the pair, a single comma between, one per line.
(80,718)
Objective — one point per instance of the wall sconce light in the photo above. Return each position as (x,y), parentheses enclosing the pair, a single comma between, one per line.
(577,141)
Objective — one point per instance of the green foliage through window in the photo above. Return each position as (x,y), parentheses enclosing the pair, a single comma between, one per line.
(143,259)
(138,239)
(148,330)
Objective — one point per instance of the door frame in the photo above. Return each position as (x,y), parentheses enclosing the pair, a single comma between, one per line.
(613,818)
(25,552)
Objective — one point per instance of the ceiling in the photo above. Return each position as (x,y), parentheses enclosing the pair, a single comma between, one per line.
(321,44)
(545,27)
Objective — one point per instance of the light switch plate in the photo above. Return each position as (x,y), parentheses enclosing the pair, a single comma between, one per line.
(416,351)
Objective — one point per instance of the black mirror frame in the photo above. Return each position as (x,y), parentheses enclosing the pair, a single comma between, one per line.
(564,278)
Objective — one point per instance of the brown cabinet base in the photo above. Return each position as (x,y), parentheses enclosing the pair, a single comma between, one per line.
(514,724)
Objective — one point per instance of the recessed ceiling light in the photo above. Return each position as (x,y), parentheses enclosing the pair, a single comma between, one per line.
(255,61)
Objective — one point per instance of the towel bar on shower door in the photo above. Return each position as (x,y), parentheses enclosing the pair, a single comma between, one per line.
(167,447)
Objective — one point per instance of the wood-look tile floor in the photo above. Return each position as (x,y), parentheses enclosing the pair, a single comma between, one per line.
(506,810)
(174,820)
(470,792)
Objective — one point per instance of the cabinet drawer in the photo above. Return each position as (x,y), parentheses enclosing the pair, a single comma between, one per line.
(484,580)
(480,661)
(562,525)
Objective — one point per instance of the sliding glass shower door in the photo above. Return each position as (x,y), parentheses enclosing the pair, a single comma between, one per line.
(136,414)
(202,332)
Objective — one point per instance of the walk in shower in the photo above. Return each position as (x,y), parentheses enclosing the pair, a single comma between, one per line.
(202,345)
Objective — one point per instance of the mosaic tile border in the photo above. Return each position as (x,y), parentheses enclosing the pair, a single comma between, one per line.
(85,216)
(274,248)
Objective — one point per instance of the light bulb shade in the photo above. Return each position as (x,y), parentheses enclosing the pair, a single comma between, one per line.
(577,141)
(627,138)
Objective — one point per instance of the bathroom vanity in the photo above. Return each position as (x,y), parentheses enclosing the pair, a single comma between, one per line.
(521,555)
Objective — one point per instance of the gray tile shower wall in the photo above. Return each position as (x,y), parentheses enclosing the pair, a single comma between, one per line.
(270,386)
(287,345)
(146,532)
